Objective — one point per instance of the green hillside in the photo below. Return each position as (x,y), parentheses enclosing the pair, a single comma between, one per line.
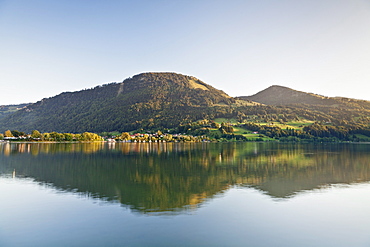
(144,101)
(152,101)
(312,107)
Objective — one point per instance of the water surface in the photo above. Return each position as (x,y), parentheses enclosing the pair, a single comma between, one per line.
(196,194)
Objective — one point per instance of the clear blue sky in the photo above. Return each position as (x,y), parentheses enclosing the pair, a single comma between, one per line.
(241,47)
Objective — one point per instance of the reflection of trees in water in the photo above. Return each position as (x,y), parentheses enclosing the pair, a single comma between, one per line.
(49,148)
(164,177)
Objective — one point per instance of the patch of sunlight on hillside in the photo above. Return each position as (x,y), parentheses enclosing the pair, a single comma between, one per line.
(194,84)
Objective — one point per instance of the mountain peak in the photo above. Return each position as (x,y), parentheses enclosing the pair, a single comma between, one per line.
(280,95)
(168,81)
(166,77)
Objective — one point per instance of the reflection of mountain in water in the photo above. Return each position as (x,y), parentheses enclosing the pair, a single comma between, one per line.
(168,177)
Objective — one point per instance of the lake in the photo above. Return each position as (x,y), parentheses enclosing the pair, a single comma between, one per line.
(184,194)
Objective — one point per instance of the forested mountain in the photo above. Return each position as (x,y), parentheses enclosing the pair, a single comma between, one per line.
(152,101)
(144,101)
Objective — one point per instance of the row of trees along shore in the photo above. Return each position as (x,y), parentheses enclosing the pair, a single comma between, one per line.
(53,136)
(35,136)
(206,130)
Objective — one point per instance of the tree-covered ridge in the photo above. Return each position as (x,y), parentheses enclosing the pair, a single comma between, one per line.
(284,96)
(143,101)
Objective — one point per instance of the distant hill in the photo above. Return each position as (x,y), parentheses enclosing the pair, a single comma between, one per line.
(284,96)
(337,110)
(278,95)
(144,101)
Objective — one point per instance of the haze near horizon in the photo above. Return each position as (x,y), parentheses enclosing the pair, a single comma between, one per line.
(240,47)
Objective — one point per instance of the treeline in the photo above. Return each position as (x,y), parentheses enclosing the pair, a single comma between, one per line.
(35,135)
(349,117)
(206,130)
(316,132)
(313,132)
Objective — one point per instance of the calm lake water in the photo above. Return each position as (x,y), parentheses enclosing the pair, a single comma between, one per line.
(196,194)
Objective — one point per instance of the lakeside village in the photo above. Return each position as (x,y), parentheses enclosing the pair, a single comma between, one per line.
(92,137)
(36,136)
(201,131)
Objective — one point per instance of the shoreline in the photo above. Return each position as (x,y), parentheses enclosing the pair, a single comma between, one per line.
(110,142)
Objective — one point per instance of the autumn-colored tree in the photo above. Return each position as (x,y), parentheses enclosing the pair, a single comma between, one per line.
(87,136)
(68,136)
(36,134)
(168,137)
(125,136)
(46,136)
(8,133)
